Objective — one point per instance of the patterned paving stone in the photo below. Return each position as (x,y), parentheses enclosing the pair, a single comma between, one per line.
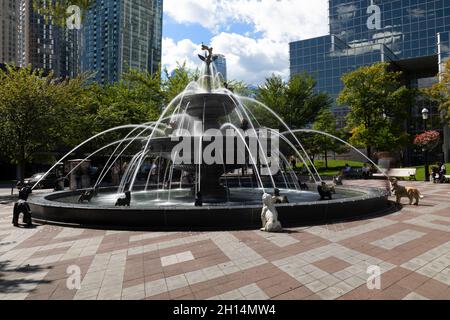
(398,239)
(411,248)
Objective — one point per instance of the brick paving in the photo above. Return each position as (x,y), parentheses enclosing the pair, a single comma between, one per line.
(411,247)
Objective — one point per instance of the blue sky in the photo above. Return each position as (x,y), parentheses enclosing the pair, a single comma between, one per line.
(252,34)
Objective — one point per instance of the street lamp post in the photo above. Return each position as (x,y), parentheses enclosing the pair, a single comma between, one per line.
(425,116)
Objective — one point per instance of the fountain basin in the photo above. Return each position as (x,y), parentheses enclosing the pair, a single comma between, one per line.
(304,209)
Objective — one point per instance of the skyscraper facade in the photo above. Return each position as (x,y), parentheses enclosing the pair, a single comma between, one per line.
(122,34)
(221,65)
(45,45)
(9,16)
(413,35)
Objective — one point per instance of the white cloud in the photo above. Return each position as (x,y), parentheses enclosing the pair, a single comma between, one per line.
(250,60)
(277,21)
(174,53)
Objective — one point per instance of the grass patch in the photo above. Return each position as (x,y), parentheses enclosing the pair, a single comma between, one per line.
(334,166)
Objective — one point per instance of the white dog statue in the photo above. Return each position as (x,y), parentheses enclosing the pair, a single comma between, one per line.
(269,215)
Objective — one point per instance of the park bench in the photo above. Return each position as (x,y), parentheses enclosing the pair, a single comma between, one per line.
(409,173)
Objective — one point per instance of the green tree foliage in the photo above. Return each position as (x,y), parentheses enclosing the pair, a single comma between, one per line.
(241,88)
(441,91)
(135,99)
(39,113)
(326,122)
(176,81)
(57,9)
(378,107)
(35,112)
(294,101)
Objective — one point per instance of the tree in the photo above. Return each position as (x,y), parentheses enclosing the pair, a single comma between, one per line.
(326,122)
(378,103)
(303,103)
(440,92)
(295,101)
(241,88)
(57,10)
(35,113)
(176,81)
(137,98)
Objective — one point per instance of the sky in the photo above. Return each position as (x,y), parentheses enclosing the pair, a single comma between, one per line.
(254,35)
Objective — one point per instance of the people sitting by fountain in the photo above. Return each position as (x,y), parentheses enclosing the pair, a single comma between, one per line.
(278,198)
(124,201)
(442,172)
(88,195)
(22,207)
(435,174)
(325,191)
(269,215)
(293,163)
(347,169)
(198,199)
(366,172)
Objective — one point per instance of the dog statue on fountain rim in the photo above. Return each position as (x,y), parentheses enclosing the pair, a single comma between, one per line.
(124,201)
(269,215)
(22,207)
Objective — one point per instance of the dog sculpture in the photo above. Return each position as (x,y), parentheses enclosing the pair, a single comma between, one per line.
(405,192)
(325,191)
(198,200)
(338,180)
(124,201)
(22,206)
(303,186)
(278,198)
(269,215)
(87,195)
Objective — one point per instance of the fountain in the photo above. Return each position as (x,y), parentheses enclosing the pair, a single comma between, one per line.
(211,160)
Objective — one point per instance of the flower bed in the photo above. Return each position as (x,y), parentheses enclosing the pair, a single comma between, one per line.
(427,139)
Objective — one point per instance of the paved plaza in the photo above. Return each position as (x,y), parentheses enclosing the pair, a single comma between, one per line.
(411,247)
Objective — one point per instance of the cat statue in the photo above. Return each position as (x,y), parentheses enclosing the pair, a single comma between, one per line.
(269,215)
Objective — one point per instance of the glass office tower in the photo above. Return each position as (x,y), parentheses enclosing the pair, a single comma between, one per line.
(45,45)
(9,16)
(411,34)
(221,65)
(122,34)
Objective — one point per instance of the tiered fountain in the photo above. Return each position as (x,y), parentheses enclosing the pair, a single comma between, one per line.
(230,192)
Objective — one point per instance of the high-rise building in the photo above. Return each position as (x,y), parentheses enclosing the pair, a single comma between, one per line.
(414,36)
(122,34)
(9,12)
(221,65)
(44,45)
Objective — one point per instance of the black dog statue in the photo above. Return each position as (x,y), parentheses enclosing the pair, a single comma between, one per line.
(278,198)
(124,202)
(324,192)
(22,206)
(303,186)
(199,200)
(88,195)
